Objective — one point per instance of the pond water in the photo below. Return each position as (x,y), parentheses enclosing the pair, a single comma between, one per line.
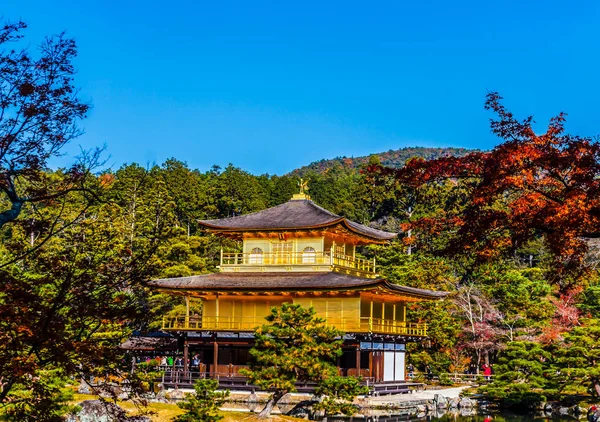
(457,417)
(377,415)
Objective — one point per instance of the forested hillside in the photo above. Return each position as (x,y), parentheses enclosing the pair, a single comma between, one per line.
(74,266)
(512,234)
(392,158)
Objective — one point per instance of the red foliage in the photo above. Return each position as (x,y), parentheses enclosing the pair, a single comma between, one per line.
(530,185)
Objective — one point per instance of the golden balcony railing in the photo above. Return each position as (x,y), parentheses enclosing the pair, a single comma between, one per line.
(297,258)
(349,325)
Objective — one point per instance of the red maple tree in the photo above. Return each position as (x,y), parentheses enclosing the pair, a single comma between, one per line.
(531,185)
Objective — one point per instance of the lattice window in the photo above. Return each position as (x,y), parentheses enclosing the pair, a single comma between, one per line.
(339,250)
(282,252)
(256,256)
(309,256)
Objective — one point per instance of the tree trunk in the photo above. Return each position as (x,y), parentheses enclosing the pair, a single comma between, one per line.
(597,388)
(266,412)
(5,388)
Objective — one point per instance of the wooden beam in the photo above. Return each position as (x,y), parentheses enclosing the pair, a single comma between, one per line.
(215,357)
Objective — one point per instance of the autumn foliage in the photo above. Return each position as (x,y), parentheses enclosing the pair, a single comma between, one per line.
(531,185)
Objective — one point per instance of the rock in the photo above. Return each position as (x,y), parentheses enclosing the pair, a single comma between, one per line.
(301,410)
(421,408)
(453,403)
(466,411)
(161,395)
(430,406)
(285,399)
(440,401)
(465,403)
(319,415)
(252,398)
(176,394)
(563,411)
(576,410)
(84,388)
(101,411)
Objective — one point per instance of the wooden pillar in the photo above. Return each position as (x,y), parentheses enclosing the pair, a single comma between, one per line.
(378,366)
(187,311)
(371,371)
(217,312)
(215,357)
(358,360)
(186,357)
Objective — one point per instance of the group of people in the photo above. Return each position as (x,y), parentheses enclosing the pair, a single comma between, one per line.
(176,363)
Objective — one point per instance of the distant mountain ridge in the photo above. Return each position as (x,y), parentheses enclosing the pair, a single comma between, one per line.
(392,158)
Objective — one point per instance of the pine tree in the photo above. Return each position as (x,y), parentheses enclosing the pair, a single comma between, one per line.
(337,394)
(578,358)
(521,375)
(295,346)
(203,406)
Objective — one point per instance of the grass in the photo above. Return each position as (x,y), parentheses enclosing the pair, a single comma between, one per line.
(164,412)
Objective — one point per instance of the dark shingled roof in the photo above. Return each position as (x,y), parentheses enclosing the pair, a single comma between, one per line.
(285,282)
(149,343)
(293,215)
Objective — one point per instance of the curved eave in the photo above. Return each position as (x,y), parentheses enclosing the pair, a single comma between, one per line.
(314,283)
(413,291)
(211,226)
(345,223)
(281,290)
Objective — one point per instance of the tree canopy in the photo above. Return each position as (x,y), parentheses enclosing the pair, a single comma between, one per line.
(530,185)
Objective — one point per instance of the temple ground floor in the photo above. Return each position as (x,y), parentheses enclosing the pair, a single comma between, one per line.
(380,361)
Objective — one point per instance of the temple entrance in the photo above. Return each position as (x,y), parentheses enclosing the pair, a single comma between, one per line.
(230,359)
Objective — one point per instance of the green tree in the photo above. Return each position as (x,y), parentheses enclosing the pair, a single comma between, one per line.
(236,192)
(337,394)
(39,112)
(42,397)
(188,191)
(520,375)
(578,358)
(590,301)
(68,307)
(204,404)
(295,346)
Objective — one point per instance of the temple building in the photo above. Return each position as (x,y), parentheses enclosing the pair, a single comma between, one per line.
(301,253)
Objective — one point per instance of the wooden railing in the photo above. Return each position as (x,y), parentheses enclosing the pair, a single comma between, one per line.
(268,258)
(351,325)
(297,258)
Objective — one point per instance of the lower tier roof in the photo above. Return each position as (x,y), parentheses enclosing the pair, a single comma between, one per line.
(286,282)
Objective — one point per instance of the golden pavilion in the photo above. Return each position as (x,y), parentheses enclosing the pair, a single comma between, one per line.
(297,252)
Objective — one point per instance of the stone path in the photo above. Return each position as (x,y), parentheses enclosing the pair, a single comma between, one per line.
(448,393)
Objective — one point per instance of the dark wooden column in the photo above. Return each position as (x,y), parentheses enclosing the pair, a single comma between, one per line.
(186,357)
(371,362)
(358,360)
(215,357)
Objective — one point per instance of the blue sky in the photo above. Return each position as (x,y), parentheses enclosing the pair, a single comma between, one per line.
(271,86)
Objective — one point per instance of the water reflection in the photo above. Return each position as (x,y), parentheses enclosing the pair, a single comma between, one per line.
(411,414)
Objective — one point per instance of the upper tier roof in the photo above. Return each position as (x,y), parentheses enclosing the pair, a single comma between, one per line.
(287,282)
(293,215)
